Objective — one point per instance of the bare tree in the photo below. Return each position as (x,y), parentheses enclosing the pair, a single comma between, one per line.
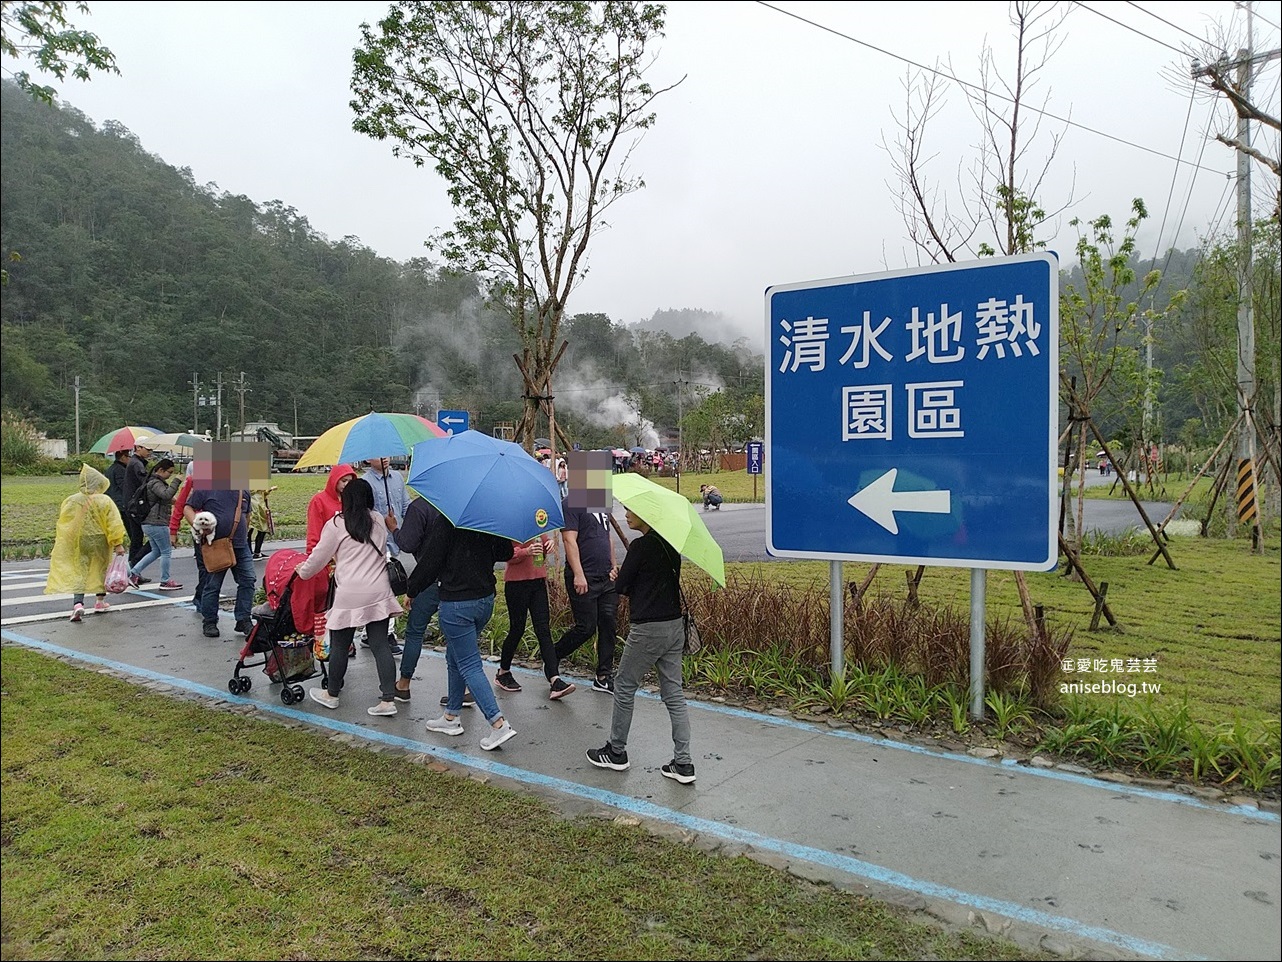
(996,190)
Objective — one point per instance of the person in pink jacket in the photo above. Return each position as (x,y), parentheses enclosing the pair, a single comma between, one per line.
(356,541)
(525,589)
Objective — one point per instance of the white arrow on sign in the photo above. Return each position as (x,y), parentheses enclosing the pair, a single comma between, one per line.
(451,420)
(879,501)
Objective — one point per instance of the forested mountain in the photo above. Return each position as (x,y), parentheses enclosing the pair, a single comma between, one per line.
(124,271)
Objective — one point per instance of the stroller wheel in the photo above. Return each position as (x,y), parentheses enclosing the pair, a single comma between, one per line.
(287,695)
(245,685)
(233,686)
(297,692)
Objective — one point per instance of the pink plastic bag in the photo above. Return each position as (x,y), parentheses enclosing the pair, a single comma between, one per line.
(117,579)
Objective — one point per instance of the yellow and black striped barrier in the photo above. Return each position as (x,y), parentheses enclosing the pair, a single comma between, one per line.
(1247,509)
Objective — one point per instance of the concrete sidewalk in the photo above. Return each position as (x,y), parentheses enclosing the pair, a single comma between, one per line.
(1046,856)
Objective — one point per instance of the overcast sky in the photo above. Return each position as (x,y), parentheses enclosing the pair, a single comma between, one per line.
(765,167)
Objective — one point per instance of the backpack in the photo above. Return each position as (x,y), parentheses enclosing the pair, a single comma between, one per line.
(139,505)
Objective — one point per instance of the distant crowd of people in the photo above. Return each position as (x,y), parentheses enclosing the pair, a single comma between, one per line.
(354,524)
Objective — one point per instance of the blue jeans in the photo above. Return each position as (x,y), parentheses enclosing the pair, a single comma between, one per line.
(161,547)
(424,605)
(462,622)
(243,572)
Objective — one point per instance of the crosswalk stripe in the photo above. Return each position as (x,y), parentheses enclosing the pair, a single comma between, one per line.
(89,612)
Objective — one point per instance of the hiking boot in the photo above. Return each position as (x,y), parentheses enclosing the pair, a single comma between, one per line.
(497,736)
(506,681)
(468,700)
(211,629)
(607,757)
(445,725)
(169,585)
(560,688)
(679,773)
(77,612)
(603,683)
(322,697)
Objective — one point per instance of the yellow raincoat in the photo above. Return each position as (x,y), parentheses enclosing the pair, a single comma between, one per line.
(89,529)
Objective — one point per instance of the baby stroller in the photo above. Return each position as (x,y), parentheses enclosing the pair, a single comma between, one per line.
(282,630)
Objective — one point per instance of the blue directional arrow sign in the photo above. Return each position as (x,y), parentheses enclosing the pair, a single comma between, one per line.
(756,457)
(453,422)
(912,415)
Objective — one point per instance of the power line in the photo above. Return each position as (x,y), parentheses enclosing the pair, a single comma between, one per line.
(978,89)
(1176,173)
(1259,16)
(1127,26)
(1175,26)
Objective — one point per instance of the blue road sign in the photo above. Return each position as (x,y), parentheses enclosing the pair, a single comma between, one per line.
(756,456)
(912,415)
(453,422)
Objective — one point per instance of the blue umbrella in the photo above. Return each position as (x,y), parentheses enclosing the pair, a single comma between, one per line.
(484,484)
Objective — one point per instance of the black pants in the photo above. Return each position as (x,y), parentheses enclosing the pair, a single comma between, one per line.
(137,541)
(529,598)
(594,613)
(259,538)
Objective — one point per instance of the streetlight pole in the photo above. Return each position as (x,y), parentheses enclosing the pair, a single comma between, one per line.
(77,414)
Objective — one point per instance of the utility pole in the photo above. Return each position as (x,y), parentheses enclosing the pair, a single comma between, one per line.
(78,415)
(680,428)
(1247,503)
(195,402)
(242,390)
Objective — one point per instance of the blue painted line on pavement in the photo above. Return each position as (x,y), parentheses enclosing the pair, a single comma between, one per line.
(641,808)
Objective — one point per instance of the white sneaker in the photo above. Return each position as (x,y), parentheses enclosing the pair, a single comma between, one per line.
(384,708)
(497,736)
(445,725)
(322,697)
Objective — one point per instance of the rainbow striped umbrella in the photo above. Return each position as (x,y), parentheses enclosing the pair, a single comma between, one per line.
(373,435)
(122,439)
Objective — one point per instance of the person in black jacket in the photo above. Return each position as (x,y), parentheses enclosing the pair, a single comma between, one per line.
(116,480)
(650,577)
(463,562)
(135,477)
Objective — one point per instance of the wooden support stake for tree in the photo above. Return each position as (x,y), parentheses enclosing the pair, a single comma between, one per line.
(1135,499)
(913,581)
(1039,621)
(1220,481)
(1161,528)
(1100,605)
(1073,560)
(857,592)
(1026,602)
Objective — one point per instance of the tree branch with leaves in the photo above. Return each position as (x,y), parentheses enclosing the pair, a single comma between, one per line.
(530,112)
(42,32)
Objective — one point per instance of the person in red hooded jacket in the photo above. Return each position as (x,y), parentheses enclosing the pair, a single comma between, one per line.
(324,505)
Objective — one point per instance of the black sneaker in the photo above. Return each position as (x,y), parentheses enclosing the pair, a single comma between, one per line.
(397,650)
(603,683)
(244,627)
(507,681)
(468,700)
(211,629)
(560,688)
(680,773)
(607,757)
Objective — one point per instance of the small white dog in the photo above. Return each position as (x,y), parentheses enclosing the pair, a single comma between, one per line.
(204,525)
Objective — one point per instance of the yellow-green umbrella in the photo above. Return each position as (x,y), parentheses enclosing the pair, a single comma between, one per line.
(674,518)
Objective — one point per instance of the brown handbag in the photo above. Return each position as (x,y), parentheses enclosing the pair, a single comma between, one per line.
(220,554)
